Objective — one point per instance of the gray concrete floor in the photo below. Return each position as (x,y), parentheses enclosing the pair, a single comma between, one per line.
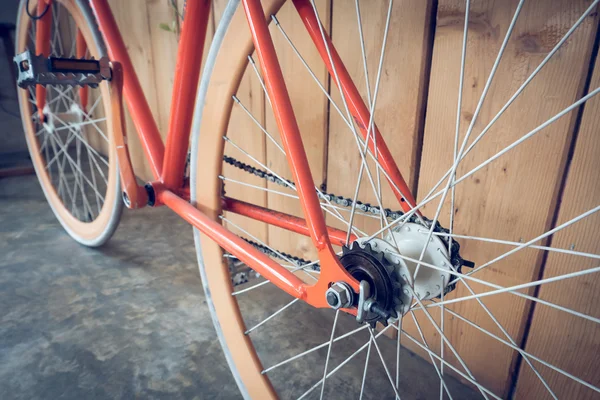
(129,320)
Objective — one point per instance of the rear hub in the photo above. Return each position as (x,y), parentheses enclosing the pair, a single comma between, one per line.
(389,273)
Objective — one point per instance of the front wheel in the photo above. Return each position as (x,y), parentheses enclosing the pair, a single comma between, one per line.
(70,141)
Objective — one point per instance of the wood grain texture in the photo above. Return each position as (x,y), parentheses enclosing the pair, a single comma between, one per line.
(514,197)
(563,340)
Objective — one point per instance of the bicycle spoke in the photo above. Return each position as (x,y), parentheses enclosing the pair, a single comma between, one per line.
(364,377)
(513,289)
(442,327)
(537,239)
(526,354)
(337,312)
(260,79)
(335,106)
(516,244)
(452,367)
(438,371)
(370,127)
(387,372)
(349,115)
(346,361)
(322,345)
(437,328)
(273,315)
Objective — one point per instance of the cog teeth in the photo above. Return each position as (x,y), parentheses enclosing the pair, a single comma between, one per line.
(355,246)
(345,250)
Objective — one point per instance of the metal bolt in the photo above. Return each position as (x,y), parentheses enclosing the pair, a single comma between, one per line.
(339,295)
(332,299)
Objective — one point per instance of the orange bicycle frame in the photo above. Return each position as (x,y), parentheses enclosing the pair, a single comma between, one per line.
(167,160)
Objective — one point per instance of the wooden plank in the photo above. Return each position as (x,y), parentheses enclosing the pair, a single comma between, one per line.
(513,198)
(566,341)
(310,107)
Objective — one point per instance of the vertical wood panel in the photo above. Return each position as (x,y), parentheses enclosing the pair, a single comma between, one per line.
(513,198)
(563,340)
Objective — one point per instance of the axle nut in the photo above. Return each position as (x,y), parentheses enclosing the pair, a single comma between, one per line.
(339,295)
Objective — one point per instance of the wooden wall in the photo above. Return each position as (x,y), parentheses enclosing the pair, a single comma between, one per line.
(551,178)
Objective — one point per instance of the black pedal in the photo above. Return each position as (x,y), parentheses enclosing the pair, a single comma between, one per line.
(40,70)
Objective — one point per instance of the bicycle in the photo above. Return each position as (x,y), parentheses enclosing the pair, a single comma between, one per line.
(405,263)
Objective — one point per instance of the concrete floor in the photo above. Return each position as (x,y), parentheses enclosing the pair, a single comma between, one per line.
(130,320)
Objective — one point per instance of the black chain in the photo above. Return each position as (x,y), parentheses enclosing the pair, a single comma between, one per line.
(457,261)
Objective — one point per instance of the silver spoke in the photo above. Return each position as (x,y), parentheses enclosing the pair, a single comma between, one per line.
(335,106)
(322,345)
(438,371)
(346,361)
(537,239)
(452,367)
(273,315)
(439,331)
(524,353)
(513,289)
(335,319)
(516,244)
(387,372)
(73,164)
(364,377)
(370,127)
(260,79)
(349,115)
(592,6)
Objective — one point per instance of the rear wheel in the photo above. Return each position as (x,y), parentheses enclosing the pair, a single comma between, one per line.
(260,327)
(72,146)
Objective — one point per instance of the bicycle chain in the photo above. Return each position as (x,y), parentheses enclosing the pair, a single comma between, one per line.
(457,261)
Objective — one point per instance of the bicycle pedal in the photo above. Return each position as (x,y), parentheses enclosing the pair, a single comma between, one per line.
(40,70)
